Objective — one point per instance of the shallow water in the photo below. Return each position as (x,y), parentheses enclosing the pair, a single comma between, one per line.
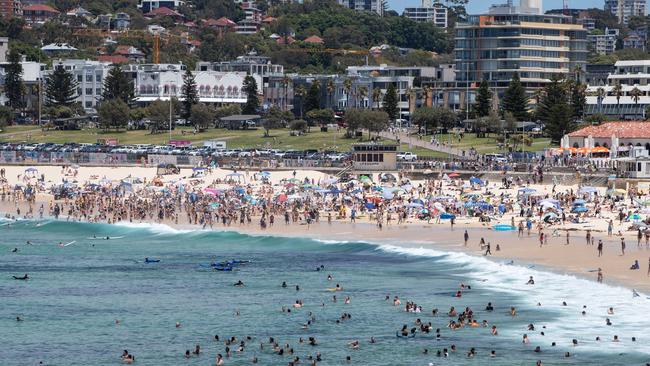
(76,293)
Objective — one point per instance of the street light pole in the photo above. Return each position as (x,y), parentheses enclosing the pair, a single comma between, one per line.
(170,113)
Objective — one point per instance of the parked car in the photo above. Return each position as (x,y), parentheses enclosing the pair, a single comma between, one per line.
(407,156)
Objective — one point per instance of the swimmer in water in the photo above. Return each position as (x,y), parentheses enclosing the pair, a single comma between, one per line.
(238,283)
(14,250)
(531,281)
(284,284)
(329,277)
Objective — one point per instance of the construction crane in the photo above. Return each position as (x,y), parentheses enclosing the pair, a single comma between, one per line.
(154,37)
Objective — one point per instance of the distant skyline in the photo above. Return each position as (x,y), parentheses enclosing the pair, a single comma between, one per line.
(477,7)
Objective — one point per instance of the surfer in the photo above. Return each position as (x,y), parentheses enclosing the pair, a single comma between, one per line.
(531,281)
(25,277)
(14,250)
(238,283)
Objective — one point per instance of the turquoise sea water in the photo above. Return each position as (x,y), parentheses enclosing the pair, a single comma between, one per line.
(76,293)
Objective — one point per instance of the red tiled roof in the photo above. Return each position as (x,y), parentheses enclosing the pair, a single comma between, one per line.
(269,20)
(164,12)
(115,59)
(619,129)
(40,7)
(221,22)
(313,39)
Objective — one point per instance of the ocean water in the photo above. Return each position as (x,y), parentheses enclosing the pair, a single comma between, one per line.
(76,293)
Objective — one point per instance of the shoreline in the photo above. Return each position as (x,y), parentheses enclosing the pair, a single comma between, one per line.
(408,236)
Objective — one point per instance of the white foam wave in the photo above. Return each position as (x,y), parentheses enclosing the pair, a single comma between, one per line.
(551,290)
(156,228)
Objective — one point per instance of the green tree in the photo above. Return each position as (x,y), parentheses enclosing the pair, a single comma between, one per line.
(424,118)
(312,101)
(515,100)
(617,90)
(636,94)
(275,118)
(228,110)
(390,102)
(375,121)
(61,88)
(14,87)
(113,114)
(320,117)
(159,115)
(578,98)
(554,110)
(201,116)
(483,99)
(252,100)
(298,125)
(189,94)
(5,115)
(118,85)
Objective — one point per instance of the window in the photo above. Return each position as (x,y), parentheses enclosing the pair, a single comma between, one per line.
(98,91)
(89,91)
(89,104)
(79,78)
(89,78)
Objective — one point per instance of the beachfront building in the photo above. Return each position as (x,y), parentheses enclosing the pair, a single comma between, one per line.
(90,77)
(634,79)
(374,157)
(32,76)
(619,137)
(376,6)
(270,77)
(623,10)
(521,40)
(428,12)
(160,81)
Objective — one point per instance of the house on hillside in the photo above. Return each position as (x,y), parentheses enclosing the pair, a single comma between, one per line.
(222,24)
(35,14)
(130,52)
(121,21)
(147,6)
(165,12)
(57,49)
(314,40)
(79,12)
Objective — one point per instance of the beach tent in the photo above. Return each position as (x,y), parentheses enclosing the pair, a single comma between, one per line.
(589,190)
(474,180)
(579,209)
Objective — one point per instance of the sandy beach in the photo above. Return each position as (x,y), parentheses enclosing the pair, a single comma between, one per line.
(577,258)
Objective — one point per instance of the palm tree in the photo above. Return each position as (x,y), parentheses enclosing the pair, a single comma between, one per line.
(376,97)
(363,93)
(618,92)
(600,95)
(330,91)
(636,95)
(411,94)
(285,85)
(301,92)
(347,86)
(577,71)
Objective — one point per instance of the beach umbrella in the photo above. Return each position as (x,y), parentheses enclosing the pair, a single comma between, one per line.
(282,198)
(293,180)
(527,190)
(453,175)
(264,174)
(578,202)
(31,169)
(370,205)
(387,195)
(634,217)
(475,180)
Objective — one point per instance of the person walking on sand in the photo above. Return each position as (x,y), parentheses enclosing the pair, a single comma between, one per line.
(466,237)
(610,227)
(622,246)
(588,236)
(600,248)
(488,251)
(567,239)
(649,267)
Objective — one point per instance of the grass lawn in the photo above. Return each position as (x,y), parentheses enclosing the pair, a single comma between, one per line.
(17,129)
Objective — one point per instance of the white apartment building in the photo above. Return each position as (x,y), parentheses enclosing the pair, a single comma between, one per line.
(90,76)
(155,82)
(376,6)
(603,44)
(630,75)
(625,9)
(428,12)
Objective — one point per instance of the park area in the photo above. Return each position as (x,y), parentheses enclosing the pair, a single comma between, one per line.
(331,140)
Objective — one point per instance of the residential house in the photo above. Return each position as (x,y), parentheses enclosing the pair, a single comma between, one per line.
(57,49)
(34,14)
(79,12)
(222,24)
(11,8)
(131,53)
(147,6)
(314,40)
(165,12)
(121,21)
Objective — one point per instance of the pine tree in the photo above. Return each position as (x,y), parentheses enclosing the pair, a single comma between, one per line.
(118,85)
(61,88)
(390,102)
(515,100)
(312,101)
(14,87)
(578,99)
(554,110)
(483,99)
(189,94)
(252,101)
